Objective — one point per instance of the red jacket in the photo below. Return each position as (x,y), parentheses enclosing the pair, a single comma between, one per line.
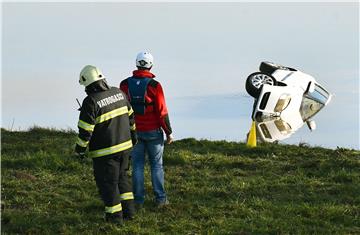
(156,115)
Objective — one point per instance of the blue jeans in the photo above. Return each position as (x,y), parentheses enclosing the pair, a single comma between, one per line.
(152,143)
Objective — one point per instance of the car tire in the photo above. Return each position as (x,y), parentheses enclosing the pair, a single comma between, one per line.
(270,67)
(255,82)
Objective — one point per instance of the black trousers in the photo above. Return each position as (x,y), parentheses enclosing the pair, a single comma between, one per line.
(113,181)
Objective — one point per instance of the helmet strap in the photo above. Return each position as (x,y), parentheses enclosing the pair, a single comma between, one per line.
(143,68)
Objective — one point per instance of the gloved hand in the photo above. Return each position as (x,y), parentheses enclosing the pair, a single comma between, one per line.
(134,138)
(81,156)
(169,139)
(80,152)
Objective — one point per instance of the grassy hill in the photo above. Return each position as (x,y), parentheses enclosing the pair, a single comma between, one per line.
(215,187)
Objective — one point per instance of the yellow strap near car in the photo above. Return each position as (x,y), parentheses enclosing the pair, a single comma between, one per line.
(110,150)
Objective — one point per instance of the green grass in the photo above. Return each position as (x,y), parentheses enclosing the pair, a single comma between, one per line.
(215,187)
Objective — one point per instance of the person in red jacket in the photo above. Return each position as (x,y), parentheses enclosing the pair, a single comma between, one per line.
(152,120)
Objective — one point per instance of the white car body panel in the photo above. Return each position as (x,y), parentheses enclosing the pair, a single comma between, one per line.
(295,84)
(275,93)
(293,78)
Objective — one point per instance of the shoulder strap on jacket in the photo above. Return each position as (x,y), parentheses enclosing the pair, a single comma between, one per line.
(137,92)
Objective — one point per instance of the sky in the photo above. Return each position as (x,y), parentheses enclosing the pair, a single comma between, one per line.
(203,53)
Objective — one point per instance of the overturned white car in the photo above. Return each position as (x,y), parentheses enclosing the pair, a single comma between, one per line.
(286,93)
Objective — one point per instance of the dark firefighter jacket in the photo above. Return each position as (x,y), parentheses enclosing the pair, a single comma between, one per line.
(106,124)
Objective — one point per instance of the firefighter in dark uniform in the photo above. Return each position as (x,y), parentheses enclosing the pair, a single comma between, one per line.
(107,128)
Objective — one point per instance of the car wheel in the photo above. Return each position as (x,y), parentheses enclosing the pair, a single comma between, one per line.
(255,82)
(270,67)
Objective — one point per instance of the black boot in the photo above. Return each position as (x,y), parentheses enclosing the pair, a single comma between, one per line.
(115,218)
(128,209)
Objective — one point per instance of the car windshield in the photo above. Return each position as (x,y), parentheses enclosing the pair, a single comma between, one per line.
(319,94)
(313,102)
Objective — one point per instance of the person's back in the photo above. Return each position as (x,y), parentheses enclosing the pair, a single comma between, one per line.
(156,113)
(107,107)
(107,127)
(151,117)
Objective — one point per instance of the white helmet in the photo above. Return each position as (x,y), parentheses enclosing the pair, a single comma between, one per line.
(144,60)
(90,74)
